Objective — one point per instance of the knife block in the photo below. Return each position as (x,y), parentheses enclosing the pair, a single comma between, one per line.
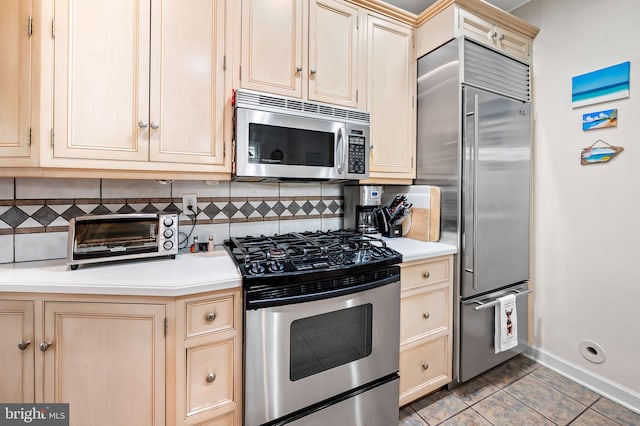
(393,231)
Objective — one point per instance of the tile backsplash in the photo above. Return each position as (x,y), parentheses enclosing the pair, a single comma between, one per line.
(35,213)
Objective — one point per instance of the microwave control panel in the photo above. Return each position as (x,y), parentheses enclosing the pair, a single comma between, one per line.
(356,154)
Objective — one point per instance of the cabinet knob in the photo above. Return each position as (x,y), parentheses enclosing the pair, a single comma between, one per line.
(211,377)
(299,68)
(44,346)
(211,316)
(154,125)
(426,315)
(426,274)
(313,71)
(22,344)
(425,365)
(371,148)
(142,124)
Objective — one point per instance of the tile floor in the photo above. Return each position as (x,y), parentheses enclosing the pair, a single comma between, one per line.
(518,392)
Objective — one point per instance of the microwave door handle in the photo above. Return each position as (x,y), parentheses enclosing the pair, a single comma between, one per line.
(340,151)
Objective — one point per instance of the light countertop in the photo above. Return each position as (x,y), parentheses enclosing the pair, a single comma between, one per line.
(188,273)
(417,250)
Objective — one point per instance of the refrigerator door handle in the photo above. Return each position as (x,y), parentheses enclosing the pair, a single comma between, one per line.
(483,305)
(474,159)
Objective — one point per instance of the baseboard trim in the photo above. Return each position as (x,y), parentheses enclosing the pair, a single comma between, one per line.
(605,387)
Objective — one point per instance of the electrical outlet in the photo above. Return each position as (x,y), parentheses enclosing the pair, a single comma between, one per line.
(189,200)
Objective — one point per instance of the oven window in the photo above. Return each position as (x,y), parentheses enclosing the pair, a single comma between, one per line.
(328,340)
(289,146)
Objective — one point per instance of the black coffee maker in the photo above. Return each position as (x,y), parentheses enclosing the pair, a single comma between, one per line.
(361,203)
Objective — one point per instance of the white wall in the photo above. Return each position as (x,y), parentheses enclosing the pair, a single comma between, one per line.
(587,230)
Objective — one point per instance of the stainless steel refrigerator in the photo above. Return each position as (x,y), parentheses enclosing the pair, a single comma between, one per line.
(474,141)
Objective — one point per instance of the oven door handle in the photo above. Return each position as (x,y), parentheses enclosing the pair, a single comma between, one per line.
(256,303)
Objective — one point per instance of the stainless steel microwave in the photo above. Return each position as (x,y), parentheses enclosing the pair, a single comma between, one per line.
(102,238)
(280,139)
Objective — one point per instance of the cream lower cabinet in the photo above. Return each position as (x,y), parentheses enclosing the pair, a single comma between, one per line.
(125,360)
(139,86)
(391,88)
(425,326)
(302,48)
(209,359)
(15,81)
(17,346)
(107,360)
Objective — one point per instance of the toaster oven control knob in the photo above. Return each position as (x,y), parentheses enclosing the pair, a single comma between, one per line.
(168,245)
(168,221)
(168,233)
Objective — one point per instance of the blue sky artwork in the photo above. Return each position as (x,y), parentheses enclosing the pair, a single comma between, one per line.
(603,85)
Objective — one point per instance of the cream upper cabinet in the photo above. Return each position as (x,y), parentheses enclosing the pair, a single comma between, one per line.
(15,78)
(477,21)
(17,347)
(140,83)
(107,360)
(301,48)
(391,86)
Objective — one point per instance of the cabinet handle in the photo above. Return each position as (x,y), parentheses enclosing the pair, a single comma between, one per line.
(142,124)
(425,365)
(211,377)
(426,274)
(501,36)
(44,346)
(22,344)
(154,125)
(426,315)
(313,71)
(299,68)
(211,316)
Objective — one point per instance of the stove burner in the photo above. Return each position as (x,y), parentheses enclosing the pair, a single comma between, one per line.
(295,253)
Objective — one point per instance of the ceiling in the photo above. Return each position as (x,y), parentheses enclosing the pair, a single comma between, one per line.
(417,6)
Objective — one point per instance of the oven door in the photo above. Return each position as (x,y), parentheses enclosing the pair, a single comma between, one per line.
(287,146)
(299,354)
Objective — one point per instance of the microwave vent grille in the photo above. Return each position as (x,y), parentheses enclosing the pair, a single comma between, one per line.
(247,98)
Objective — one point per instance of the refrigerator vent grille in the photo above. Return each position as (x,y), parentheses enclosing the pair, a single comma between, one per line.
(287,105)
(488,69)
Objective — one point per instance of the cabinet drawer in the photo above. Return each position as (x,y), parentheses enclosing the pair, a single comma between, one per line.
(209,376)
(425,273)
(210,315)
(423,313)
(434,356)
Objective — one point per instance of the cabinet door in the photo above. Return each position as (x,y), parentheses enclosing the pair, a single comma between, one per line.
(187,82)
(390,90)
(101,87)
(272,46)
(16,325)
(333,52)
(107,360)
(15,78)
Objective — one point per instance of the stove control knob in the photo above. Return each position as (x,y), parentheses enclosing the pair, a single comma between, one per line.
(256,268)
(168,233)
(168,245)
(168,221)
(275,266)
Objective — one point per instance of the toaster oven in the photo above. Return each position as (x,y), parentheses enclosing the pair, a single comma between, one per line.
(103,238)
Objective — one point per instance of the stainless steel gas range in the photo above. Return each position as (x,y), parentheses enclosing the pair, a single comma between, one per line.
(322,321)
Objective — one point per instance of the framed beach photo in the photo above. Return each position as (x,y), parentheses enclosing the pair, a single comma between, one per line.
(606,84)
(600,119)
